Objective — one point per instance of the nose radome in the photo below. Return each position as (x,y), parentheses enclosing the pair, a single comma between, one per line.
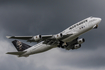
(99,19)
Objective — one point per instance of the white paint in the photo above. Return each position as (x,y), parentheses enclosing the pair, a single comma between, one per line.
(76,29)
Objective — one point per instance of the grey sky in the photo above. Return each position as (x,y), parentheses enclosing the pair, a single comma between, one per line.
(32,17)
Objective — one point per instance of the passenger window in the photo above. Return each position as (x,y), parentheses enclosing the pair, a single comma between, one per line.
(70,28)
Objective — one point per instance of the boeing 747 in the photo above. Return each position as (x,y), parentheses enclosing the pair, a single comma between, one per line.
(67,39)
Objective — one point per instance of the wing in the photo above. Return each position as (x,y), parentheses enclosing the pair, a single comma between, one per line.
(39,38)
(19,37)
(30,38)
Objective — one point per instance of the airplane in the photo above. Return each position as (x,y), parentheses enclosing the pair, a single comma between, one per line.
(67,39)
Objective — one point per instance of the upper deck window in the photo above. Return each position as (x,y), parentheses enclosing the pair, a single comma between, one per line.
(78,24)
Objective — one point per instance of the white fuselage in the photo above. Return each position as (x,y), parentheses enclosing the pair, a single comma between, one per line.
(76,30)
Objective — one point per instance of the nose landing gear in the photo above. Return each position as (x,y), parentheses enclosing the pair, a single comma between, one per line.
(95,27)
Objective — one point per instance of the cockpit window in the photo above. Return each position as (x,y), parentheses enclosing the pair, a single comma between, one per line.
(92,20)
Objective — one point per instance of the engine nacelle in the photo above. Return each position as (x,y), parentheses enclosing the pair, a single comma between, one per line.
(58,36)
(77,46)
(80,41)
(37,38)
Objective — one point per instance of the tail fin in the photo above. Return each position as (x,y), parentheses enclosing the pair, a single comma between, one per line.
(20,46)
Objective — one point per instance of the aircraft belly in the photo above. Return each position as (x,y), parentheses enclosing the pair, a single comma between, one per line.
(42,48)
(39,48)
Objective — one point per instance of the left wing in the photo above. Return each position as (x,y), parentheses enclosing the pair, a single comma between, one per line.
(39,38)
(27,37)
(19,37)
(30,38)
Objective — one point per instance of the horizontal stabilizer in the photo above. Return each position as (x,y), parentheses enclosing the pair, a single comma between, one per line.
(16,53)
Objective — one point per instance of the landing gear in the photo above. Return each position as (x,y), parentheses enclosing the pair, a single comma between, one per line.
(62,44)
(95,27)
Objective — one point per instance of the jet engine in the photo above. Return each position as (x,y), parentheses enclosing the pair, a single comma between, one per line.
(37,38)
(58,36)
(80,41)
(77,46)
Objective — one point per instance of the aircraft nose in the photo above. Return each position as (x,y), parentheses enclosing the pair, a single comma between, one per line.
(99,20)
